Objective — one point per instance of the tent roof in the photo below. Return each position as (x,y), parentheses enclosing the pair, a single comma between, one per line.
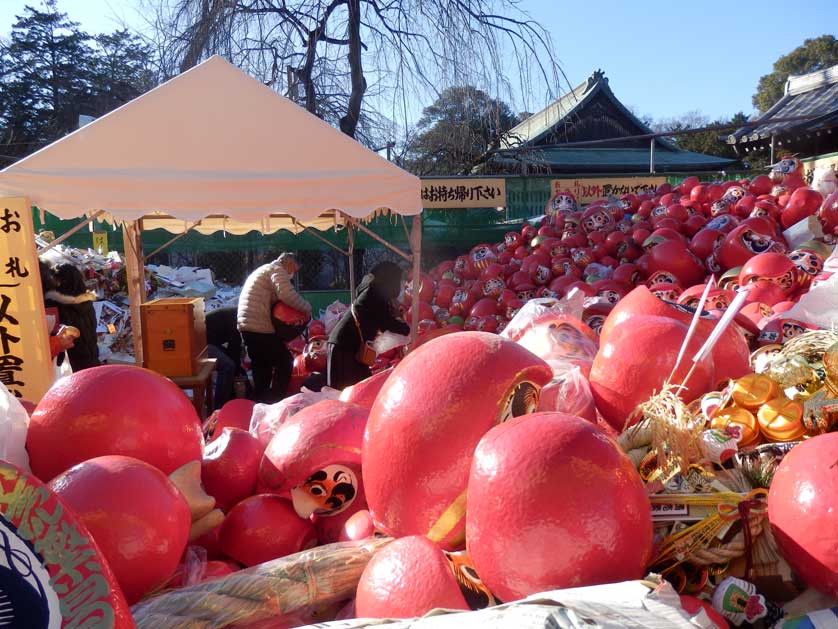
(212,142)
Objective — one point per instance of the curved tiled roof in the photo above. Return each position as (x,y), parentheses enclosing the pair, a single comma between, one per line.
(814,94)
(622,160)
(539,128)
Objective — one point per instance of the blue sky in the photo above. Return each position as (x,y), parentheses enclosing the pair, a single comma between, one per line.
(663,58)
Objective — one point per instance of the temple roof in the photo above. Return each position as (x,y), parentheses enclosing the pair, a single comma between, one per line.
(814,94)
(615,160)
(588,112)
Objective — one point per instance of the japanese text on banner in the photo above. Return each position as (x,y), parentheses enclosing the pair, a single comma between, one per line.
(588,190)
(25,365)
(463,193)
(100,242)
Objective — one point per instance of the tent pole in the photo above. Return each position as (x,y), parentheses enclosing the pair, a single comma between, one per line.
(416,249)
(319,237)
(350,239)
(169,242)
(375,236)
(72,231)
(404,226)
(135,278)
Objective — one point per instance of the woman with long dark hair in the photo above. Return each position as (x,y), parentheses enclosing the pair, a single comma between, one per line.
(75,308)
(372,312)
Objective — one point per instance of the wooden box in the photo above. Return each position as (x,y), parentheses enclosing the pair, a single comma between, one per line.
(174,335)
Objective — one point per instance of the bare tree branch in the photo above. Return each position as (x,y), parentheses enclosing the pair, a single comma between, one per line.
(366,65)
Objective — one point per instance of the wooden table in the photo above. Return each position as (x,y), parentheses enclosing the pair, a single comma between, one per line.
(201,386)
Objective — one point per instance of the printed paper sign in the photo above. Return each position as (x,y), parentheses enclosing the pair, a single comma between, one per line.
(588,190)
(463,193)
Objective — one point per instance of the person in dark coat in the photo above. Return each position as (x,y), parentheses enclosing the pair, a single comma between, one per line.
(58,344)
(374,309)
(224,343)
(75,308)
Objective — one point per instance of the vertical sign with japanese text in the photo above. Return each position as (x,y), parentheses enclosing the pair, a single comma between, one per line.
(100,242)
(25,364)
(483,192)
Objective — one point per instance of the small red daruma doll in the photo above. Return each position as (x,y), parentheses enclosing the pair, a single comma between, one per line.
(561,203)
(776,268)
(315,459)
(482,256)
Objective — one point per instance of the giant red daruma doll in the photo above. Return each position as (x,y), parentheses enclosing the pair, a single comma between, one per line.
(428,418)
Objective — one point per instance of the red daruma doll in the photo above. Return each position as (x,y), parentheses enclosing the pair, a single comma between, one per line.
(426,421)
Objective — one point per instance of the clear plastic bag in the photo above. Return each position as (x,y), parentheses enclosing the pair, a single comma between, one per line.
(267,418)
(191,569)
(14,422)
(387,341)
(63,370)
(536,311)
(568,392)
(332,314)
(818,307)
(553,331)
(599,271)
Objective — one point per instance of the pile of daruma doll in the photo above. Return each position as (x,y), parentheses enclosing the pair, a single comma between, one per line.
(493,478)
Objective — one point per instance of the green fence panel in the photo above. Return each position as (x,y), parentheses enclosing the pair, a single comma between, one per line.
(319,299)
(527,196)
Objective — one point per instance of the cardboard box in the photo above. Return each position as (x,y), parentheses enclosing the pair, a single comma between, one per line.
(174,335)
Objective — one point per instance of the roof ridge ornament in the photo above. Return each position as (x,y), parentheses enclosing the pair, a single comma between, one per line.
(597,76)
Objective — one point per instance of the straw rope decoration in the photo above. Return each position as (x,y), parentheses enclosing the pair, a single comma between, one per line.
(675,435)
(699,544)
(811,345)
(291,585)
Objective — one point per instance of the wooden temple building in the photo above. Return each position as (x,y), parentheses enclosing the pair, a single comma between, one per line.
(804,121)
(548,141)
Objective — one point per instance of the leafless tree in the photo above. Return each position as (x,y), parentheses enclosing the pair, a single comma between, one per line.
(364,65)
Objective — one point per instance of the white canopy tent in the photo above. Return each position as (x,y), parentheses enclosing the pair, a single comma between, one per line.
(213,149)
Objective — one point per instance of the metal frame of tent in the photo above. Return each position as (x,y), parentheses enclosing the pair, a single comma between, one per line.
(135,261)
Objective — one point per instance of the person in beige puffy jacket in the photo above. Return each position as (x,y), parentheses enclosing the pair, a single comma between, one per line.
(270,359)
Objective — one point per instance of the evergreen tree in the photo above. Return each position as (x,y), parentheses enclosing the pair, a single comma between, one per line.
(455,132)
(813,54)
(121,70)
(51,72)
(46,78)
